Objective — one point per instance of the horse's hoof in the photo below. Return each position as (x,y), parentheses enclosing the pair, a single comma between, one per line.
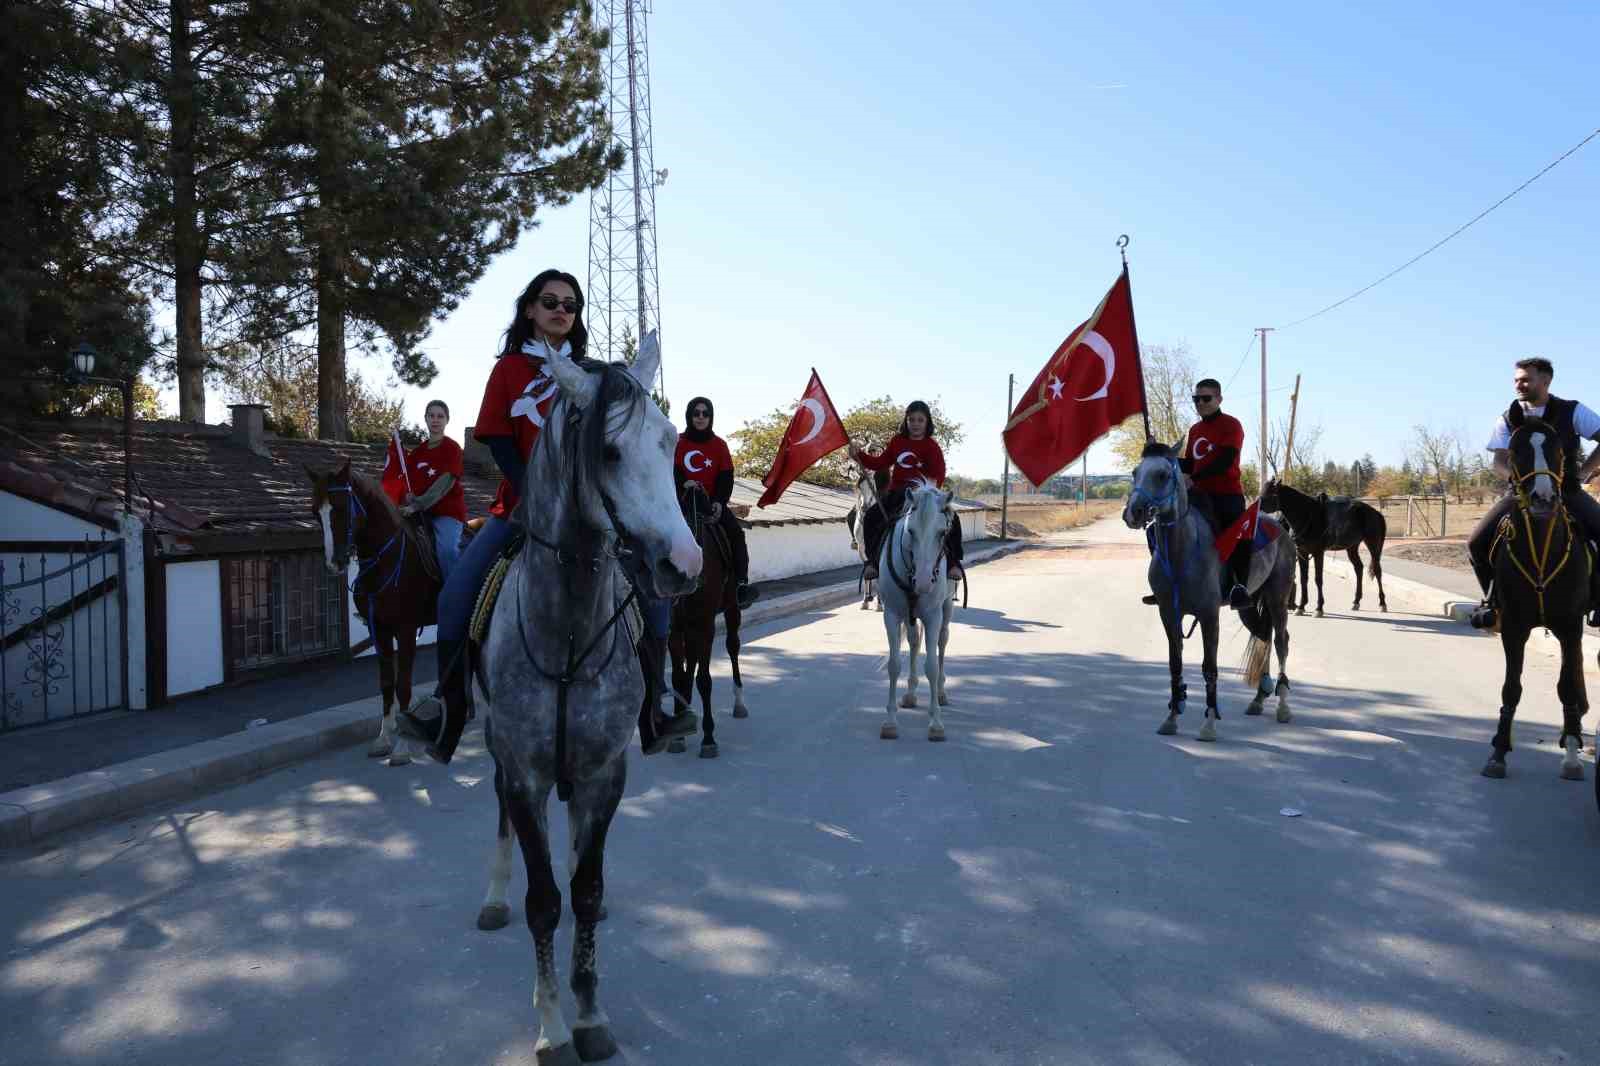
(1572,773)
(677,747)
(399,758)
(594,1044)
(741,711)
(379,751)
(565,1055)
(1168,728)
(1254,709)
(936,734)
(908,700)
(889,732)
(1319,613)
(1496,770)
(708,750)
(1300,610)
(494,916)
(1284,716)
(1208,731)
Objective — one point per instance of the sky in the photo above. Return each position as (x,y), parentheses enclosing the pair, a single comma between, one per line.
(919,201)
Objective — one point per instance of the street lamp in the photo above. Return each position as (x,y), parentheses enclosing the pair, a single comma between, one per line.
(81,373)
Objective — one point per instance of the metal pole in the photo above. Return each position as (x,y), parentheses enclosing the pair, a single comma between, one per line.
(1288,445)
(1263,330)
(1083,485)
(1005,479)
(638,173)
(127,445)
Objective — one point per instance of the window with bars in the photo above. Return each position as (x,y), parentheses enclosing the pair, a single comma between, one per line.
(281,608)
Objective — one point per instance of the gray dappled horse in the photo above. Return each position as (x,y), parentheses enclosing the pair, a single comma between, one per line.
(915,591)
(557,670)
(870,488)
(1184,576)
(1541,578)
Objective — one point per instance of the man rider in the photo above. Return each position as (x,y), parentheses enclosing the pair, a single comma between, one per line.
(1573,423)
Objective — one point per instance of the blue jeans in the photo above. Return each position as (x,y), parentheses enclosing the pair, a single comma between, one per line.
(447,541)
(657,616)
(466,578)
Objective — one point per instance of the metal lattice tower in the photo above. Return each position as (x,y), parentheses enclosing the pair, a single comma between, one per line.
(623,286)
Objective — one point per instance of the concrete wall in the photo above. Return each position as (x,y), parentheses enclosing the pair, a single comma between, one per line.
(22,519)
(788,551)
(194,626)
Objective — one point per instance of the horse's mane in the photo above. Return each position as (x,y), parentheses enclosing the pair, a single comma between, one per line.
(619,396)
(1154,449)
(373,496)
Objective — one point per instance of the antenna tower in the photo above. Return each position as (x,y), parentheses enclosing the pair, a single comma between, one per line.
(624,292)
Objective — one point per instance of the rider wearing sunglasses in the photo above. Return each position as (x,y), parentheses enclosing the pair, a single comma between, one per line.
(703,458)
(911,455)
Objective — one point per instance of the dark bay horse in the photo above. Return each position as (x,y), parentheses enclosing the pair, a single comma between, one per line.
(396,589)
(694,622)
(1541,575)
(1321,525)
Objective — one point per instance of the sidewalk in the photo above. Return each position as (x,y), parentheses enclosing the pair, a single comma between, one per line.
(106,766)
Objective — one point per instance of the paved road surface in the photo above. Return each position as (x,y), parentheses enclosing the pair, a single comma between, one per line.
(1056,884)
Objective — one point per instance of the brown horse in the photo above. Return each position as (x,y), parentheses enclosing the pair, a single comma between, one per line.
(396,589)
(1321,524)
(694,621)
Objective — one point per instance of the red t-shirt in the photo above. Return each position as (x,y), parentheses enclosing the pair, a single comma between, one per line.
(515,402)
(427,464)
(908,460)
(1206,435)
(702,461)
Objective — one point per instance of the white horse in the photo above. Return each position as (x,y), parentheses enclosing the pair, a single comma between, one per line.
(866,498)
(916,590)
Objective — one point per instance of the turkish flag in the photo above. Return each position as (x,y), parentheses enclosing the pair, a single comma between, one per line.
(815,430)
(396,479)
(1091,383)
(1249,525)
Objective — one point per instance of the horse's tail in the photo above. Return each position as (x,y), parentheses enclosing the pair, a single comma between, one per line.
(1257,653)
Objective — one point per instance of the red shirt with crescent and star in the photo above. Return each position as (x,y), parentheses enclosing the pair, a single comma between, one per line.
(907,460)
(1205,437)
(515,402)
(703,460)
(427,464)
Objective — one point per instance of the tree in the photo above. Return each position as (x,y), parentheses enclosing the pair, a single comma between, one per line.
(289,390)
(1436,450)
(871,424)
(1169,377)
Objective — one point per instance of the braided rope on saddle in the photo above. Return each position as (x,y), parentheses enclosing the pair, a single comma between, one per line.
(478,630)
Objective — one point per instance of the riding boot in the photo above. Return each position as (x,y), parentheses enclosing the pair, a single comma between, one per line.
(745,592)
(1239,595)
(437,720)
(1594,591)
(655,728)
(1485,615)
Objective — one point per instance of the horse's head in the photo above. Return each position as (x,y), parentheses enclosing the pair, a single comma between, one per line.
(1270,496)
(927,519)
(1537,460)
(1158,492)
(339,515)
(623,455)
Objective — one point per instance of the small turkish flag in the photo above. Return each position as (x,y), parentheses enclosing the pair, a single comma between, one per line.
(1249,525)
(1091,383)
(396,479)
(815,430)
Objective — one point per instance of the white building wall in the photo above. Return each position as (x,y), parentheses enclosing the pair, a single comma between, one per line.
(789,551)
(194,626)
(22,519)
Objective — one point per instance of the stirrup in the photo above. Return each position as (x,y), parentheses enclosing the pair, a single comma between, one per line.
(1149,600)
(956,572)
(1485,615)
(423,721)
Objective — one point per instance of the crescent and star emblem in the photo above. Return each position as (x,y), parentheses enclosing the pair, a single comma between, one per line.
(1101,347)
(688,461)
(817,417)
(900,461)
(1055,386)
(1203,447)
(537,392)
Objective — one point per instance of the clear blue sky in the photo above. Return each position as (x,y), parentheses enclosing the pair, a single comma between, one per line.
(917,200)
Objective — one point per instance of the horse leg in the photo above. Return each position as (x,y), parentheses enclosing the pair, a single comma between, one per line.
(594,804)
(1319,583)
(891,626)
(1172,622)
(931,664)
(913,646)
(708,725)
(1574,701)
(1305,581)
(1209,626)
(1512,639)
(731,618)
(496,911)
(944,641)
(1280,638)
(680,650)
(1355,561)
(526,811)
(1375,552)
(386,740)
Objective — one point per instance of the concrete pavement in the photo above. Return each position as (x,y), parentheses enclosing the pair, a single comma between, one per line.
(1056,884)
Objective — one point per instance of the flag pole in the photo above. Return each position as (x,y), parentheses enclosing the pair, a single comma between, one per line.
(1133,327)
(399,448)
(1005,478)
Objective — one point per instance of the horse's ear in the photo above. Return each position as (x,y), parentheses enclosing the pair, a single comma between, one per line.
(1515,415)
(577,384)
(949,498)
(647,364)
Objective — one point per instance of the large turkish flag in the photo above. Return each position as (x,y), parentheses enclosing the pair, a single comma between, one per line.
(1091,383)
(815,430)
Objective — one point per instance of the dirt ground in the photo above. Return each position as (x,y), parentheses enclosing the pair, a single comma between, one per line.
(1440,551)
(1035,520)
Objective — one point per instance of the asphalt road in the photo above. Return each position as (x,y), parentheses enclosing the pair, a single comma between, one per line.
(1056,884)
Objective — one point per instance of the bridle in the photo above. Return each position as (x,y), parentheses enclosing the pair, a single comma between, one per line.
(1161,547)
(1539,554)
(899,538)
(368,564)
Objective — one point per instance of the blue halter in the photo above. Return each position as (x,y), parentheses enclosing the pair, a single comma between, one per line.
(1161,547)
(369,563)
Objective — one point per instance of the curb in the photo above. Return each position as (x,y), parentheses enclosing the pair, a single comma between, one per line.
(28,815)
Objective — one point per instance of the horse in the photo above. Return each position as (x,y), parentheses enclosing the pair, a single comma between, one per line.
(917,592)
(396,588)
(1541,577)
(870,487)
(1321,524)
(557,672)
(694,622)
(1184,576)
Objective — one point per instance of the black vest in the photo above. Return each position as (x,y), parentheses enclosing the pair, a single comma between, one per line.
(1558,414)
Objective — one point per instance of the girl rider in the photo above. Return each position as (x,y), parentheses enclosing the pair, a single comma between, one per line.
(910,455)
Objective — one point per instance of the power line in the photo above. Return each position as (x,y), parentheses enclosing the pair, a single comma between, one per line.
(1251,343)
(1452,236)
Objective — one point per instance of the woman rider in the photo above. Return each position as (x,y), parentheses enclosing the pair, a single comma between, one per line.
(436,469)
(910,455)
(518,398)
(703,457)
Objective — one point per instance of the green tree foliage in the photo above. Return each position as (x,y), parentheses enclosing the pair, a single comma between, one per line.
(288,389)
(870,424)
(1169,377)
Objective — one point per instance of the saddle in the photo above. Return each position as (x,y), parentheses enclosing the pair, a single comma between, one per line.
(430,555)
(494,581)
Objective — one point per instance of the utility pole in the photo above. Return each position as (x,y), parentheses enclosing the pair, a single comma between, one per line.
(1288,446)
(1083,484)
(1263,331)
(1005,479)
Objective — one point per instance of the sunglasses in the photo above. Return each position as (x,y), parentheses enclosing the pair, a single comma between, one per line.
(699,412)
(549,302)
(1204,399)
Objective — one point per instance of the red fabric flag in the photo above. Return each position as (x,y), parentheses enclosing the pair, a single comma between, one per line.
(815,430)
(1249,525)
(396,479)
(1091,383)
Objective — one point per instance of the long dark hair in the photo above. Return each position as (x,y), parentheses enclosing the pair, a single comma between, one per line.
(905,421)
(521,329)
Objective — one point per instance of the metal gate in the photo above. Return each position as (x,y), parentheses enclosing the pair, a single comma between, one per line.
(63,630)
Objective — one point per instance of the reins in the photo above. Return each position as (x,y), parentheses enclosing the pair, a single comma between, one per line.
(367,564)
(1539,554)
